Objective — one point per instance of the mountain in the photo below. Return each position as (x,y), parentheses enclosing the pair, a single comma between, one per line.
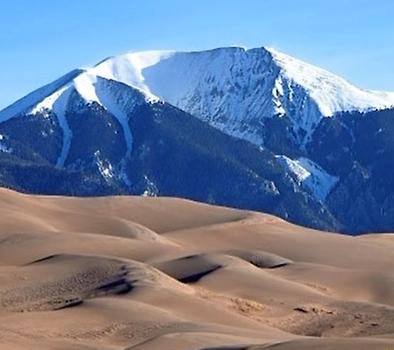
(253,129)
(172,154)
(235,89)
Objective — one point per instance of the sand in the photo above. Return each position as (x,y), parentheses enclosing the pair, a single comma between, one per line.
(164,273)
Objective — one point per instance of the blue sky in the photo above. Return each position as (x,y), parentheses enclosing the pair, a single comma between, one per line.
(43,39)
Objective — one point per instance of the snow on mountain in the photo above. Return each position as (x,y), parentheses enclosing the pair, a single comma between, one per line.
(332,93)
(234,88)
(3,147)
(128,69)
(59,102)
(226,87)
(310,175)
(117,98)
(31,100)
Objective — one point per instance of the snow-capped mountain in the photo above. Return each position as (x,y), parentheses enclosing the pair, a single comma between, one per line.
(306,124)
(234,89)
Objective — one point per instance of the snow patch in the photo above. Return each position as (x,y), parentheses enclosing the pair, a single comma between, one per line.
(104,166)
(295,167)
(85,86)
(57,102)
(310,175)
(151,189)
(116,103)
(109,172)
(123,174)
(4,148)
(48,103)
(60,109)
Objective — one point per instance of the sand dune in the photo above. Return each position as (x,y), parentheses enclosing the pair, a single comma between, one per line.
(163,273)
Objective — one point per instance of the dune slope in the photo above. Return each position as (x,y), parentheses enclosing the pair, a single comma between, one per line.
(165,273)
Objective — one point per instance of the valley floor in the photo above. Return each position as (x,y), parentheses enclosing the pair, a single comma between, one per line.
(162,273)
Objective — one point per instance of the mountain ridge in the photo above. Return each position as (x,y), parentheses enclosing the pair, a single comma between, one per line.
(307,123)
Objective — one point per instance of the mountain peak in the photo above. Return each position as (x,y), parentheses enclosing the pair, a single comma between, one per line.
(232,88)
(182,77)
